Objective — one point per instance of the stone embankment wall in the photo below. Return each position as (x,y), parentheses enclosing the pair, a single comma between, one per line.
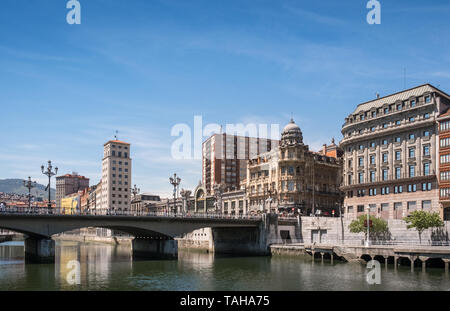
(327,230)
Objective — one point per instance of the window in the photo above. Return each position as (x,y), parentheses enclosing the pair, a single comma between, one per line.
(413,103)
(360,178)
(397,206)
(412,152)
(412,170)
(361,161)
(445,175)
(398,155)
(398,122)
(360,208)
(426,186)
(385,125)
(397,173)
(374,114)
(412,188)
(385,207)
(411,136)
(445,192)
(411,119)
(372,159)
(411,206)
(385,174)
(426,169)
(349,179)
(445,158)
(385,142)
(398,189)
(361,147)
(290,186)
(397,139)
(384,190)
(362,117)
(385,157)
(428,99)
(426,133)
(386,110)
(349,209)
(372,176)
(399,106)
(426,116)
(444,126)
(372,129)
(445,142)
(426,204)
(372,144)
(426,150)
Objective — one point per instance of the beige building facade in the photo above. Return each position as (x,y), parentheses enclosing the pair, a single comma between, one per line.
(68,184)
(116,177)
(391,154)
(292,179)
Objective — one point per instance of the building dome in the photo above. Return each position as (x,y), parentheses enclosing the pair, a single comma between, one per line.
(291,135)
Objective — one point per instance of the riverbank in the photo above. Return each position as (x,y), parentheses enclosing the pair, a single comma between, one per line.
(436,256)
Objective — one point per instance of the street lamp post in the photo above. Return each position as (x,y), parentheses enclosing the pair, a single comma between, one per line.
(49,174)
(175,182)
(29,184)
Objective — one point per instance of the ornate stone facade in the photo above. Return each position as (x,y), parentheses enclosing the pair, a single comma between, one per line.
(391,154)
(293,179)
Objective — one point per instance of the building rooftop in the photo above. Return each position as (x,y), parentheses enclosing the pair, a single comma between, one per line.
(72,176)
(116,142)
(399,96)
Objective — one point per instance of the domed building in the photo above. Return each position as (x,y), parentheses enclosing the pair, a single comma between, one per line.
(292,179)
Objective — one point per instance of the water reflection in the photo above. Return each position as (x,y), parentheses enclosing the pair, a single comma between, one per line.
(109,267)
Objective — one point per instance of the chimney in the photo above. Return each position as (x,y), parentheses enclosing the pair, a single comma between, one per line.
(378,95)
(324,149)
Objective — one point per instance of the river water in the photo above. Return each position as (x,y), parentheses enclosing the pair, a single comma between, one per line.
(108,267)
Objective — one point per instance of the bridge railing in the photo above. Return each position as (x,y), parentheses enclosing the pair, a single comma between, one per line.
(62,212)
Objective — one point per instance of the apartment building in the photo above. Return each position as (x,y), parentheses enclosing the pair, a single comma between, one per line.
(224,159)
(116,176)
(293,179)
(444,164)
(391,154)
(68,184)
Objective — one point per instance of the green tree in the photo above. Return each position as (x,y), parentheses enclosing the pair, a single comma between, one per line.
(421,221)
(379,226)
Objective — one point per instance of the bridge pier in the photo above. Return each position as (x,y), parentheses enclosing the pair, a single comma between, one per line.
(39,250)
(424,262)
(446,262)
(154,248)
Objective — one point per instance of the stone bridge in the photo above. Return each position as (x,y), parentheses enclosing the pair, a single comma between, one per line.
(153,235)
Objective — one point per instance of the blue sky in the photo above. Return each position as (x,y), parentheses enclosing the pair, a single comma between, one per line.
(140,67)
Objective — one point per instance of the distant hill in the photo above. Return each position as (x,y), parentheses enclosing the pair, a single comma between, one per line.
(16,186)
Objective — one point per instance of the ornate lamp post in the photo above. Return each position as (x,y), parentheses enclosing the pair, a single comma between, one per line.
(218,191)
(29,184)
(175,182)
(135,192)
(49,173)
